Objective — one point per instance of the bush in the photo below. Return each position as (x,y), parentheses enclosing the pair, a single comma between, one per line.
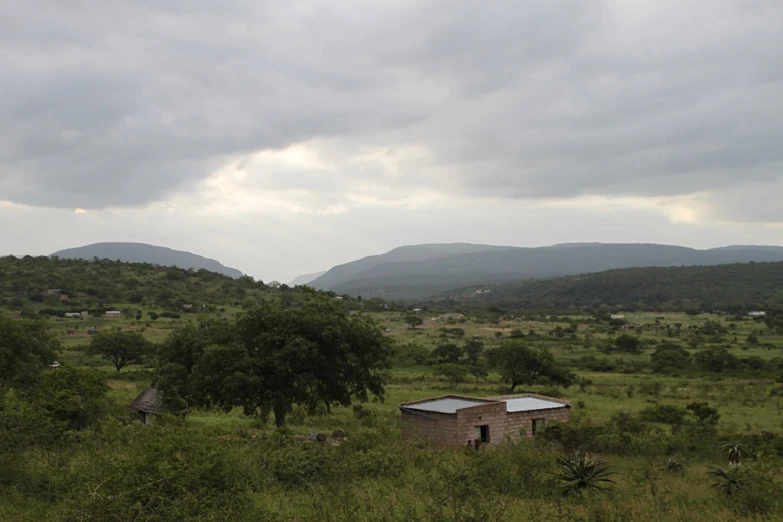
(159,473)
(666,413)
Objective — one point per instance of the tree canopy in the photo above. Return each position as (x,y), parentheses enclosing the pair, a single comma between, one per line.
(120,348)
(413,320)
(521,364)
(26,348)
(273,358)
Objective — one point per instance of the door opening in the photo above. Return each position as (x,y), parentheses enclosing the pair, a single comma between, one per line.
(484,433)
(538,424)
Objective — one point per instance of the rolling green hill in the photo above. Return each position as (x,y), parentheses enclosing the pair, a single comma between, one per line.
(143,253)
(421,270)
(732,288)
(61,285)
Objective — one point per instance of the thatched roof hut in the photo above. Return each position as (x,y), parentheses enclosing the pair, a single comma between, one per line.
(146,404)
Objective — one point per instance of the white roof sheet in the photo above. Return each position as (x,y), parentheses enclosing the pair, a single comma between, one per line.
(530,404)
(447,405)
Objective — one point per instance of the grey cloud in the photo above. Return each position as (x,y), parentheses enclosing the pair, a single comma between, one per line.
(125,103)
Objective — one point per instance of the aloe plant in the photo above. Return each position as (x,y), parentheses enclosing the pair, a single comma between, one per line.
(674,466)
(580,473)
(735,451)
(727,481)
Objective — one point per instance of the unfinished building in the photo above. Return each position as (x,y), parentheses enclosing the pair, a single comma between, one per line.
(453,421)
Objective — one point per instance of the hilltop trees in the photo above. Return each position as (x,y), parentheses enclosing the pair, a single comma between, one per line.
(274,358)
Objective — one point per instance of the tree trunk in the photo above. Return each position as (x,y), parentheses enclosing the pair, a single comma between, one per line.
(280,412)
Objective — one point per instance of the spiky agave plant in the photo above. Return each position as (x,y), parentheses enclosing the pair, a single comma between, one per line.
(735,451)
(581,473)
(674,466)
(727,481)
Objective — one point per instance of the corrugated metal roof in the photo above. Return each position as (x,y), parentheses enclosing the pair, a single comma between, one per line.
(447,405)
(530,404)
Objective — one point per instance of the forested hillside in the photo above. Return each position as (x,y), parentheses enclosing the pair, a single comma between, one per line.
(143,253)
(736,287)
(419,271)
(60,285)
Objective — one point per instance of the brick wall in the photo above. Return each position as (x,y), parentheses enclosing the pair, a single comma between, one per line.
(492,414)
(521,422)
(439,429)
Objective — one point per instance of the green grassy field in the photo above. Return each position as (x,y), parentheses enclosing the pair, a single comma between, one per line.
(744,401)
(374,475)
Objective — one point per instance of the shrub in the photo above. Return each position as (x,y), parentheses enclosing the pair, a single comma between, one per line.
(666,413)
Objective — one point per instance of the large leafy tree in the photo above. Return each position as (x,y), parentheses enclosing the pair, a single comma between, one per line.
(447,353)
(521,364)
(473,349)
(120,348)
(274,358)
(72,397)
(670,357)
(413,320)
(26,348)
(455,373)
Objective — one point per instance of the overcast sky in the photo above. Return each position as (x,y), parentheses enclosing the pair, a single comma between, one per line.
(286,137)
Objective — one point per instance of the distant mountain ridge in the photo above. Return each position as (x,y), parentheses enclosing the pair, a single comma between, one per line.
(144,253)
(305,278)
(732,288)
(421,270)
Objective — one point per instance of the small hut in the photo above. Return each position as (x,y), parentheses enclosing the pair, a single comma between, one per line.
(146,404)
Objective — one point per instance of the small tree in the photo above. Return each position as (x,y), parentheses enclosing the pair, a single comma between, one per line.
(479,372)
(705,414)
(447,353)
(473,349)
(413,320)
(628,343)
(670,357)
(521,364)
(455,373)
(26,348)
(120,348)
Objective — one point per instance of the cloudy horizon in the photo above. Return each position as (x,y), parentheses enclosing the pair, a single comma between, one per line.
(283,138)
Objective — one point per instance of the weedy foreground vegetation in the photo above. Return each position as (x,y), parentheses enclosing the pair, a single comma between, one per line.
(674,417)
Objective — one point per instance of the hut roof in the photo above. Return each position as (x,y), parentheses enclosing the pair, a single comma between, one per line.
(146,402)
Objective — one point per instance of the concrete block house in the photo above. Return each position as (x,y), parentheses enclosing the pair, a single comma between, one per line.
(455,421)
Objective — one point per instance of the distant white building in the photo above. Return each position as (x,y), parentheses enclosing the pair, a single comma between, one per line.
(85,313)
(617,316)
(73,314)
(756,313)
(113,314)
